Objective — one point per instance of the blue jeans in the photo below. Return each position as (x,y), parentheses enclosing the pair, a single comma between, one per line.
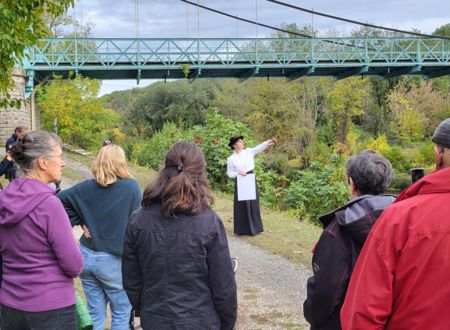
(56,319)
(102,283)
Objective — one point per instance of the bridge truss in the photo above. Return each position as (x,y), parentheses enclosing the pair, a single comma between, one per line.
(174,58)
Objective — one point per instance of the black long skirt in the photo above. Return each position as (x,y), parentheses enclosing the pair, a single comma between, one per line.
(247,216)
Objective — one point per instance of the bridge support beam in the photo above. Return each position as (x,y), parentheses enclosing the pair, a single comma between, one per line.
(438,73)
(352,72)
(138,76)
(248,74)
(300,73)
(410,70)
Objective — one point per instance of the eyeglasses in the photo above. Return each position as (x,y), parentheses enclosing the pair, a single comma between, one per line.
(61,157)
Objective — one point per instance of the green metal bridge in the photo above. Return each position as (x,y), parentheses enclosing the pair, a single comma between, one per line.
(157,58)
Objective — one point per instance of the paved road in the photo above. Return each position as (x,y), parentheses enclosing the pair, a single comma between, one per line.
(271,289)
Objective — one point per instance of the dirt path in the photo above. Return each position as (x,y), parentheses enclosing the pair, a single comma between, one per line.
(271,289)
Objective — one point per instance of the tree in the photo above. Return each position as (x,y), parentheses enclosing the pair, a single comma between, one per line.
(442,84)
(21,24)
(409,124)
(345,101)
(179,102)
(81,119)
(442,31)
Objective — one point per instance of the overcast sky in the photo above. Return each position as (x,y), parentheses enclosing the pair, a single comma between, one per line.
(174,18)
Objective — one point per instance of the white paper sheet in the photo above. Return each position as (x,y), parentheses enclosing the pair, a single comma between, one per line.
(246,187)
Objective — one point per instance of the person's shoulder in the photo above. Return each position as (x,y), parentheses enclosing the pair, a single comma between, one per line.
(210,218)
(51,204)
(85,184)
(136,214)
(130,183)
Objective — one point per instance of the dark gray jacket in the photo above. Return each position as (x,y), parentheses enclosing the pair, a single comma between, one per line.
(178,272)
(335,255)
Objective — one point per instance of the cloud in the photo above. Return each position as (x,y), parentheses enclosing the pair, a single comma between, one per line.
(174,18)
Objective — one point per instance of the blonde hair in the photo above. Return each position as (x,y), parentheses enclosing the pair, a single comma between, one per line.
(110,165)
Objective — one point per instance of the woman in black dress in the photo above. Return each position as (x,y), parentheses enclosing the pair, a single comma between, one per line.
(247,216)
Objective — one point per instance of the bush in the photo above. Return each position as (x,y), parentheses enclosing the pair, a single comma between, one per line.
(213,139)
(400,181)
(272,187)
(318,190)
(153,151)
(394,153)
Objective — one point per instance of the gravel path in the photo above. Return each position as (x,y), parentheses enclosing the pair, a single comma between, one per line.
(271,289)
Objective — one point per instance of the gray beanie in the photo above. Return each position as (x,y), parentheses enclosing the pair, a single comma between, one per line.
(441,135)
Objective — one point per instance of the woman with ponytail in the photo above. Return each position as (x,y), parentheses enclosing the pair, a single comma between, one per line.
(176,264)
(39,254)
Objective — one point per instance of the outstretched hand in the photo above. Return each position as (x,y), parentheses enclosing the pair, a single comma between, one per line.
(273,140)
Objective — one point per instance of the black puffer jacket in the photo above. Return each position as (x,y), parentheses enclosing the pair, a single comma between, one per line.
(178,272)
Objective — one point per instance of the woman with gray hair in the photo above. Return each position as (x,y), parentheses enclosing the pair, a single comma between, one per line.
(345,231)
(40,255)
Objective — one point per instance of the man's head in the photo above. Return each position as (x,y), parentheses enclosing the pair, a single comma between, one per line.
(20,131)
(368,173)
(441,139)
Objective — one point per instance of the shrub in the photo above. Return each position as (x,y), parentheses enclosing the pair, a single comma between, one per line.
(394,153)
(400,181)
(213,138)
(151,152)
(318,190)
(272,187)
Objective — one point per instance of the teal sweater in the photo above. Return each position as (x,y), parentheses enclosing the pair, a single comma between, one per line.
(104,210)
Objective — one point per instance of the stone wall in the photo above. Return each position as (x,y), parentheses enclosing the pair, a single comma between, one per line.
(10,118)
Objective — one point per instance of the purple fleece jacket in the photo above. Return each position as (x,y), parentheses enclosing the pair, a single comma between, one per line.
(40,255)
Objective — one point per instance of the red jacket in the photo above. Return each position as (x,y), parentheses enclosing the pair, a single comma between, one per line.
(402,277)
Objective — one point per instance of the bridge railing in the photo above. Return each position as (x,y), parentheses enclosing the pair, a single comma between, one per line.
(119,52)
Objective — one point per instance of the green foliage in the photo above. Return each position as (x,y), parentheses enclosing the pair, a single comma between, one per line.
(151,152)
(379,144)
(81,120)
(411,125)
(443,31)
(316,151)
(318,190)
(442,85)
(21,24)
(213,138)
(288,111)
(377,115)
(179,102)
(393,153)
(400,181)
(186,69)
(120,101)
(345,101)
(426,154)
(417,109)
(272,187)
